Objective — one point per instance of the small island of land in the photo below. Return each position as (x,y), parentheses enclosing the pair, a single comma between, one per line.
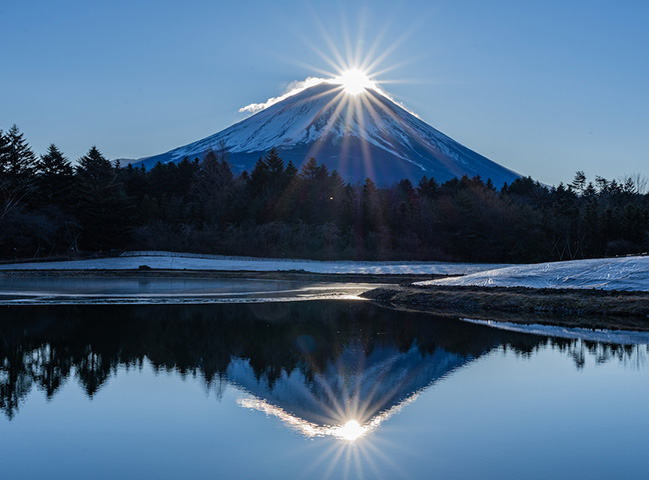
(594,309)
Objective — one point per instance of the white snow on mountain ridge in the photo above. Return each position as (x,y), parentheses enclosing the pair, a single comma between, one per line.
(304,118)
(366,135)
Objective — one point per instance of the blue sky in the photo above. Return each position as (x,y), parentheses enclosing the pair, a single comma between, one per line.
(544,88)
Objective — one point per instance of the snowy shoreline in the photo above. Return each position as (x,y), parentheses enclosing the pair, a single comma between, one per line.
(623,273)
(620,337)
(555,291)
(188,261)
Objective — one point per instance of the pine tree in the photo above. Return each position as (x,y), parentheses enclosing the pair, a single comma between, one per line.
(259,177)
(290,173)
(579,182)
(275,164)
(55,178)
(186,175)
(53,163)
(406,189)
(102,206)
(94,170)
(370,205)
(4,145)
(427,187)
(336,181)
(4,181)
(17,161)
(309,169)
(213,187)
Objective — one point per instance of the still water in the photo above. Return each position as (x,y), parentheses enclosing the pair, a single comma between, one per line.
(53,290)
(319,389)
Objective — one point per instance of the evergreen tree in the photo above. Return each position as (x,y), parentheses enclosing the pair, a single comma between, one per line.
(427,187)
(371,206)
(102,206)
(4,145)
(407,190)
(55,178)
(16,183)
(17,161)
(290,171)
(309,170)
(135,180)
(274,163)
(278,176)
(213,187)
(186,174)
(259,178)
(94,170)
(579,182)
(6,197)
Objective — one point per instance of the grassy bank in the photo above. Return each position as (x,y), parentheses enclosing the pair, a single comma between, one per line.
(597,309)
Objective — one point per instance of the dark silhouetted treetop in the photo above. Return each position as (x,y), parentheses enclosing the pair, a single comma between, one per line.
(55,177)
(17,161)
(104,210)
(309,170)
(54,164)
(274,163)
(94,169)
(579,182)
(427,187)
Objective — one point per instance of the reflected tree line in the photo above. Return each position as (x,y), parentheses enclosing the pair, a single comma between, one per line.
(49,207)
(42,347)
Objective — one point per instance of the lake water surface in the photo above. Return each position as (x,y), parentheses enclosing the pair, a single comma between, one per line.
(54,290)
(318,389)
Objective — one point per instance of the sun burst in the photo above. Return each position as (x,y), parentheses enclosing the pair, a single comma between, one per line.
(354,81)
(351,431)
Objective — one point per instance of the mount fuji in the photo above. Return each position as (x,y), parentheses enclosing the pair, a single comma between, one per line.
(363,135)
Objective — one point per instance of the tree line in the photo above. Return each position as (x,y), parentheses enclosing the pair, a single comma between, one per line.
(50,207)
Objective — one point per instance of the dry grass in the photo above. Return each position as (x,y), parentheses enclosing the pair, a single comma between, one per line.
(582,308)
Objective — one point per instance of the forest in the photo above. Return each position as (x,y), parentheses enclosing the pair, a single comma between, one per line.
(52,208)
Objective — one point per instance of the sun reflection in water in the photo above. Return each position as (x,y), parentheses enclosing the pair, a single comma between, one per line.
(351,431)
(346,430)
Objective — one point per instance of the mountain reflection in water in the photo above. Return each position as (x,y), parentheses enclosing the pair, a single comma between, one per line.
(324,368)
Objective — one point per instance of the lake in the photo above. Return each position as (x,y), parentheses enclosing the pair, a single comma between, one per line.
(311,389)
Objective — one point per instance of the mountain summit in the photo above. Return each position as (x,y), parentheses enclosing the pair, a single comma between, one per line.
(362,135)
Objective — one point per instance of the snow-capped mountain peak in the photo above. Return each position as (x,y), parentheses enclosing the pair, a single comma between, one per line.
(360,135)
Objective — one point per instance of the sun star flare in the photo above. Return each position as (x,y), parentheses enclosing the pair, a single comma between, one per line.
(354,81)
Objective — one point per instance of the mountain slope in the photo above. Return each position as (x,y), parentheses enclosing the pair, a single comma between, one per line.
(365,135)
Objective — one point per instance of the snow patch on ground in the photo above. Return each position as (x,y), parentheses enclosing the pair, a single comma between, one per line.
(626,273)
(188,261)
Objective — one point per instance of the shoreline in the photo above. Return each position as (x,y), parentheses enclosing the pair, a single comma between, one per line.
(571,308)
(295,275)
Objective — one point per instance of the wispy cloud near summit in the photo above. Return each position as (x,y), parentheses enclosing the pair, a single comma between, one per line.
(293,88)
